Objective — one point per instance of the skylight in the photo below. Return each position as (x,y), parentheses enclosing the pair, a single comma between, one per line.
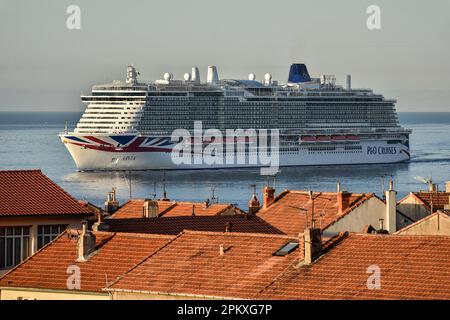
(286,248)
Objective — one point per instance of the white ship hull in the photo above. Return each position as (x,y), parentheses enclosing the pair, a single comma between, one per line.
(102,152)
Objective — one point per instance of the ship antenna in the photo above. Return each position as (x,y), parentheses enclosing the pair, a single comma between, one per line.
(66,129)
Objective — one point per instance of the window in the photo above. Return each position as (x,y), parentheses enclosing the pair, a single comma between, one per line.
(14,245)
(47,233)
(286,248)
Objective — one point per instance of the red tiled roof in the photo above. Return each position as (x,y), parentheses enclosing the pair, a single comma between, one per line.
(411,267)
(192,265)
(288,213)
(116,253)
(30,192)
(133,209)
(175,225)
(439,199)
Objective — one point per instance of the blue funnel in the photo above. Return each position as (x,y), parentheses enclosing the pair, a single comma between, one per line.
(298,73)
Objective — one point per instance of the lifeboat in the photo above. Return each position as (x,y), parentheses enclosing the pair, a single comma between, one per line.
(308,138)
(323,138)
(338,138)
(352,138)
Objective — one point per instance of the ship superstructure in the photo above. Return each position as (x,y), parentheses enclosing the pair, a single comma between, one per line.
(128,125)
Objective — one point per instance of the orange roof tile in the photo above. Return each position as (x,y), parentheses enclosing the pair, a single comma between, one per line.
(192,265)
(133,209)
(116,253)
(175,225)
(411,267)
(439,199)
(292,209)
(30,192)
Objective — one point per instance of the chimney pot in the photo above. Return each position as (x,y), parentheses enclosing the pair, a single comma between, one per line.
(150,208)
(269,196)
(221,250)
(343,199)
(253,205)
(391,208)
(111,203)
(86,243)
(447,186)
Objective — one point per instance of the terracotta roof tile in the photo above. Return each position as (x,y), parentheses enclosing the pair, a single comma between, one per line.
(439,199)
(292,209)
(115,254)
(412,267)
(192,265)
(133,209)
(30,192)
(175,225)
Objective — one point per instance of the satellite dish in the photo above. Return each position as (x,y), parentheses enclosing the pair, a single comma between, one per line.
(251,76)
(424,180)
(167,76)
(187,76)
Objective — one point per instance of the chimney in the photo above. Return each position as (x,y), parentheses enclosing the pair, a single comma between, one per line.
(253,205)
(343,199)
(195,75)
(312,244)
(268,196)
(349,82)
(447,189)
(95,226)
(212,76)
(432,187)
(391,208)
(221,250)
(111,203)
(150,208)
(382,230)
(86,243)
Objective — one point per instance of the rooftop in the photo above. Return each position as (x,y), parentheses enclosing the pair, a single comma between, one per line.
(439,199)
(30,193)
(133,209)
(193,265)
(175,225)
(411,267)
(291,210)
(115,253)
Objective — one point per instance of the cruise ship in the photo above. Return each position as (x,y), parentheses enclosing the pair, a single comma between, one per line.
(129,125)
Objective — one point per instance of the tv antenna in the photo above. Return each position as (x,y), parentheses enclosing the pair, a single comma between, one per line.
(214,199)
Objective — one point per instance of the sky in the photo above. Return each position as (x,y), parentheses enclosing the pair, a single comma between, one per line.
(44,66)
